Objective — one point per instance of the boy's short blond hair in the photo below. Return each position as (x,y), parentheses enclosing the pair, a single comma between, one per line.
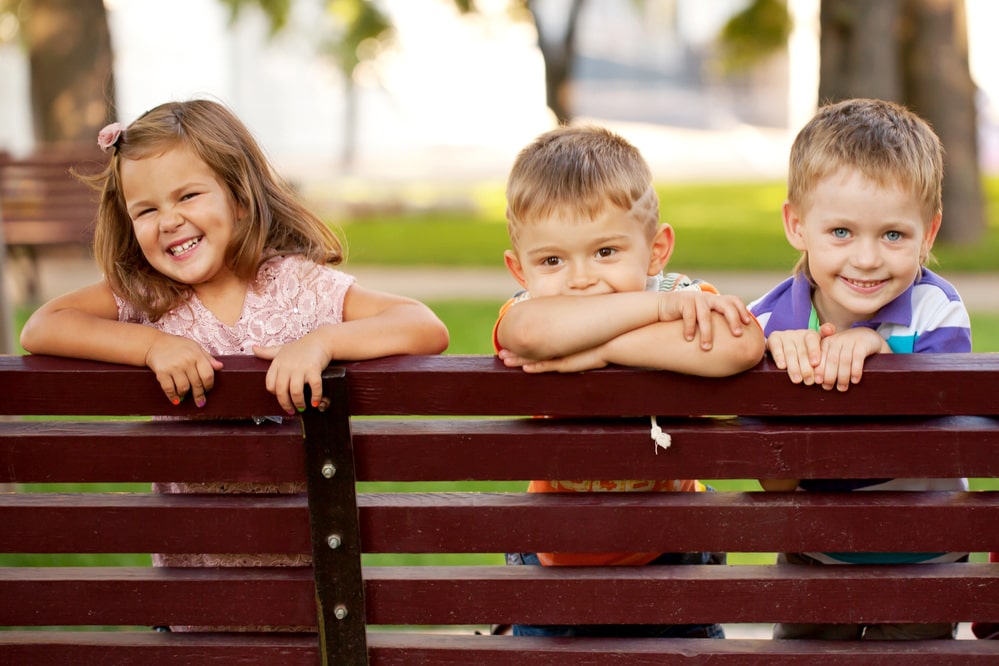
(578,172)
(886,142)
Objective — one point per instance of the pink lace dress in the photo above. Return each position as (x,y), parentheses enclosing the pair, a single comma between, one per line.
(291,298)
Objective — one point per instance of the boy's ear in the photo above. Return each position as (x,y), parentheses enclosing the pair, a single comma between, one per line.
(793,226)
(662,249)
(513,265)
(930,236)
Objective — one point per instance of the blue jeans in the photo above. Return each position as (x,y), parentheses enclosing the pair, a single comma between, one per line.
(626,630)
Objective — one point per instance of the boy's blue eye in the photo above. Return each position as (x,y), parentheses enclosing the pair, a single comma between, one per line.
(841,233)
(893,236)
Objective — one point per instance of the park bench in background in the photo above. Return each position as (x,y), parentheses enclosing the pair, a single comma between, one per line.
(913,415)
(43,205)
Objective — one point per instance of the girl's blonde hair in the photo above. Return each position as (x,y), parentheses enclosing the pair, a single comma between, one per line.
(579,172)
(274,219)
(888,144)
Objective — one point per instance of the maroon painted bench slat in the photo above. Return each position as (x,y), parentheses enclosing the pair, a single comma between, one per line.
(121,452)
(921,416)
(513,449)
(42,203)
(144,523)
(134,648)
(405,649)
(482,595)
(491,523)
(155,596)
(751,593)
(401,649)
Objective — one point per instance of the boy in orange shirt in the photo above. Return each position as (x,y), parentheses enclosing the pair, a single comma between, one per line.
(589,250)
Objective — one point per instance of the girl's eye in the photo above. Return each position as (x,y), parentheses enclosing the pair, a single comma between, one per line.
(893,236)
(605,251)
(841,233)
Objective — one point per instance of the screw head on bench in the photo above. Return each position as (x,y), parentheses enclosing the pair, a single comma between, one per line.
(333,541)
(340,612)
(329,470)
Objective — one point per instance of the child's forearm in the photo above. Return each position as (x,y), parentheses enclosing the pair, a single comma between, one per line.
(77,334)
(406,328)
(662,346)
(555,326)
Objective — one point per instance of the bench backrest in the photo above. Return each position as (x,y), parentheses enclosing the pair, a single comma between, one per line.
(912,416)
(42,203)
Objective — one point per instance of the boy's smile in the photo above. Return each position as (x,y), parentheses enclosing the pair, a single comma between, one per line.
(612,253)
(865,244)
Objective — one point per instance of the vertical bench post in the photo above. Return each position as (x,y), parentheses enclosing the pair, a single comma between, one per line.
(336,535)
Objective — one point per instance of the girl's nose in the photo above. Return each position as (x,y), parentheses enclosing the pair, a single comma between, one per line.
(170,221)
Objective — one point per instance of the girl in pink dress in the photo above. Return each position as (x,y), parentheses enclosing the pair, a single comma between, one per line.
(205,251)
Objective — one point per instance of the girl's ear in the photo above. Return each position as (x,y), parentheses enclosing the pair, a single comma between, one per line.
(516,269)
(793,226)
(662,249)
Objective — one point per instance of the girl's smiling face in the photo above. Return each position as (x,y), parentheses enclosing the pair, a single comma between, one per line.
(182,216)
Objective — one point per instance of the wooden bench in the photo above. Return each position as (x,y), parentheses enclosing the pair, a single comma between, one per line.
(916,415)
(43,205)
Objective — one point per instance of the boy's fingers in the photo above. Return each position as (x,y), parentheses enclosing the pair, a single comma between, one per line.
(813,347)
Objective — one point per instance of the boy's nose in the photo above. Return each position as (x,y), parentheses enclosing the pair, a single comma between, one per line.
(866,254)
(580,277)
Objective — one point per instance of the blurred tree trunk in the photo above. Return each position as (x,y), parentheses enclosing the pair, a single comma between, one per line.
(914,52)
(558,49)
(69,54)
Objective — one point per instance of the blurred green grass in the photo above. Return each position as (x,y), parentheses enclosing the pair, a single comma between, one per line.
(719,226)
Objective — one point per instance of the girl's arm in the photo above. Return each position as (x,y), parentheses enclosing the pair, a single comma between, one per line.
(84,324)
(375,324)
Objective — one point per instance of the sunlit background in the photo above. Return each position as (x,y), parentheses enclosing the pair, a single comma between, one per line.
(455,97)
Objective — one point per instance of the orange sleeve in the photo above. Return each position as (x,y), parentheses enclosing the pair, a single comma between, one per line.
(502,311)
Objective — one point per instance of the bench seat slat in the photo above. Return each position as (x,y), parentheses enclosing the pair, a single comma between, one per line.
(689,593)
(667,522)
(154,596)
(935,384)
(436,649)
(514,449)
(149,648)
(28,384)
(411,450)
(162,523)
(483,595)
(113,452)
(413,649)
(502,522)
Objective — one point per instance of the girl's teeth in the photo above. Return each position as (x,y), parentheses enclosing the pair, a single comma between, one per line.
(184,247)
